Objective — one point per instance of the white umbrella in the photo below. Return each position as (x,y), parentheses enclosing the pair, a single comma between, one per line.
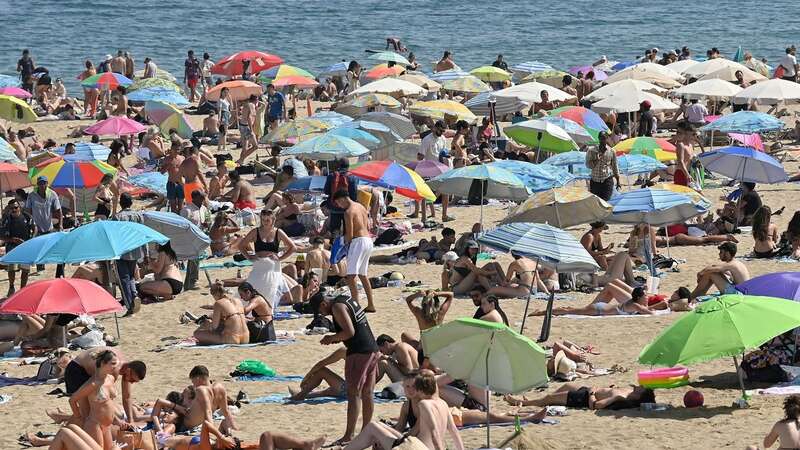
(713,87)
(390,86)
(658,69)
(624,87)
(644,75)
(769,92)
(706,67)
(728,73)
(631,102)
(531,92)
(682,65)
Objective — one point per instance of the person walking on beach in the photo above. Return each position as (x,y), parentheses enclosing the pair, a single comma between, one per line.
(353,77)
(126,265)
(276,109)
(359,245)
(129,65)
(43,206)
(247,126)
(361,361)
(25,67)
(602,161)
(17,227)
(205,68)
(171,165)
(191,74)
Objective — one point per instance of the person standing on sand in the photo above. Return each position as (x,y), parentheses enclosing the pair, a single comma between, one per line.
(118,63)
(171,165)
(276,110)
(150,68)
(359,245)
(205,69)
(195,212)
(247,125)
(191,74)
(126,265)
(129,65)
(192,174)
(90,94)
(684,136)
(16,227)
(25,67)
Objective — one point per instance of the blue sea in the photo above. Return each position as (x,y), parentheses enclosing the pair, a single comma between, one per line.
(315,34)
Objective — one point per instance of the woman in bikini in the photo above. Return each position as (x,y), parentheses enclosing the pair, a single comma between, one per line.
(267,441)
(115,157)
(431,312)
(222,227)
(101,392)
(227,325)
(266,276)
(462,275)
(167,282)
(261,326)
(490,310)
(765,233)
(90,95)
(629,301)
(458,150)
(104,196)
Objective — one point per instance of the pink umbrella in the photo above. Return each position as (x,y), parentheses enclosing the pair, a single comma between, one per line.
(749,140)
(15,92)
(427,168)
(599,75)
(115,126)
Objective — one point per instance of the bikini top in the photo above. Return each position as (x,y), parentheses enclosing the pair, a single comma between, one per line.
(261,246)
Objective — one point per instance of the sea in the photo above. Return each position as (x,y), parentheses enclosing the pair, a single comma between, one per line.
(62,34)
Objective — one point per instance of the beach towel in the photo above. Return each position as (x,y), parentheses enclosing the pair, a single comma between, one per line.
(192,343)
(781,259)
(226,265)
(284,399)
(14,381)
(545,421)
(289,315)
(274,378)
(656,314)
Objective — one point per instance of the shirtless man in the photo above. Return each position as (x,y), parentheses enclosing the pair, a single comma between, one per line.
(82,368)
(521,274)
(192,174)
(211,125)
(200,377)
(446,63)
(242,195)
(121,108)
(118,63)
(172,167)
(247,126)
(724,276)
(218,182)
(683,145)
(318,258)
(20,149)
(398,360)
(154,143)
(574,396)
(359,243)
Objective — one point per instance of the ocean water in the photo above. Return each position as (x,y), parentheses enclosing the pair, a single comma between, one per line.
(314,34)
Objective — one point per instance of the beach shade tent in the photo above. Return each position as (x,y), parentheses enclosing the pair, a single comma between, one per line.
(744,122)
(14,91)
(490,74)
(161,74)
(711,65)
(599,75)
(682,65)
(725,326)
(541,135)
(390,56)
(445,75)
(470,84)
(658,148)
(186,239)
(554,78)
(532,93)
(631,101)
(486,354)
(383,71)
(338,69)
(529,67)
(152,181)
(779,285)
(293,129)
(61,296)
(421,80)
(33,250)
(744,164)
(536,177)
(713,88)
(427,168)
(438,109)
(16,110)
(390,86)
(63,173)
(390,175)
(480,104)
(85,151)
(237,89)
(638,164)
(657,207)
(587,118)
(233,65)
(332,118)
(328,147)
(9,81)
(7,152)
(624,88)
(573,162)
(769,92)
(169,117)
(578,133)
(650,76)
(399,152)
(729,74)
(377,129)
(562,207)
(356,134)
(153,83)
(308,185)
(106,81)
(373,100)
(158,94)
(400,125)
(115,126)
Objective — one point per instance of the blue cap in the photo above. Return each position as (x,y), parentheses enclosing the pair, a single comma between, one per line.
(41,178)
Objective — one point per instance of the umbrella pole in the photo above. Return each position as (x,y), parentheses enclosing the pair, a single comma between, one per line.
(666,233)
(739,375)
(488,422)
(528,300)
(482,186)
(538,147)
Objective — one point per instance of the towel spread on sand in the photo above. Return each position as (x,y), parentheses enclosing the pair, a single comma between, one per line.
(15,381)
(284,398)
(545,421)
(274,378)
(192,343)
(655,313)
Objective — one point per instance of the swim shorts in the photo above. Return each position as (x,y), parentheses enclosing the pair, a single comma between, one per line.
(74,377)
(578,398)
(174,190)
(360,368)
(358,254)
(245,131)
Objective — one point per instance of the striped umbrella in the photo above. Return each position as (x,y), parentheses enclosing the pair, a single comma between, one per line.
(362,137)
(296,128)
(106,80)
(72,174)
(158,94)
(532,67)
(338,69)
(377,129)
(332,118)
(491,74)
(578,133)
(468,84)
(168,117)
(394,176)
(372,100)
(437,109)
(9,81)
(400,125)
(115,126)
(452,74)
(7,152)
(638,164)
(390,56)
(587,118)
(85,151)
(502,105)
(161,74)
(573,162)
(147,83)
(327,147)
(282,71)
(658,148)
(536,177)
(696,197)
(561,207)
(427,168)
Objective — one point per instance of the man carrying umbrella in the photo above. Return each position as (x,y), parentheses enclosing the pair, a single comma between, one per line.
(17,227)
(43,206)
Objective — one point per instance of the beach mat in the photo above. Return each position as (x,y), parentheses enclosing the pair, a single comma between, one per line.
(782,259)
(274,378)
(192,343)
(545,421)
(15,381)
(615,316)
(284,399)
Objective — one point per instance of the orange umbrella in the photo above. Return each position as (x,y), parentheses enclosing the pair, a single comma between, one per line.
(238,89)
(295,80)
(233,65)
(383,71)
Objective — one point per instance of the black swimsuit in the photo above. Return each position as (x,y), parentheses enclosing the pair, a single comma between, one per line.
(261,246)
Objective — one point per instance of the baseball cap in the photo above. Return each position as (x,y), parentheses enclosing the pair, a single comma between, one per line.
(41,178)
(646,103)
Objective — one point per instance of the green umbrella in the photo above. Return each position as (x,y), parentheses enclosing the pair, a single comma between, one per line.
(725,326)
(486,354)
(541,135)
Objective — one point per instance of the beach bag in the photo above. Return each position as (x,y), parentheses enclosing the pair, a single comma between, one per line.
(254,367)
(390,236)
(138,440)
(320,322)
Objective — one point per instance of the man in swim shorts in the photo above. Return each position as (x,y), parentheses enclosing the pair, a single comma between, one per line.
(242,194)
(724,276)
(191,173)
(172,167)
(247,125)
(359,242)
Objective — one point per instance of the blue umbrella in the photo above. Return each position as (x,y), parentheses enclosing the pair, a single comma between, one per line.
(101,241)
(7,152)
(33,250)
(158,94)
(744,122)
(452,74)
(339,68)
(744,164)
(327,147)
(638,164)
(377,129)
(154,181)
(186,239)
(537,177)
(313,184)
(401,125)
(652,206)
(331,117)
(574,162)
(9,81)
(360,136)
(532,67)
(86,151)
(623,64)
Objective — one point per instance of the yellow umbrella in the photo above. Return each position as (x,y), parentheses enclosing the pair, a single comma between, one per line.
(16,110)
(549,77)
(437,109)
(296,128)
(561,207)
(466,84)
(372,100)
(491,74)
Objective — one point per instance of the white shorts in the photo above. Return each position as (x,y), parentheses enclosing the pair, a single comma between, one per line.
(358,254)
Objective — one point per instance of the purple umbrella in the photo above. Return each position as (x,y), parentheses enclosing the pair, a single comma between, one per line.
(780,285)
(427,168)
(599,75)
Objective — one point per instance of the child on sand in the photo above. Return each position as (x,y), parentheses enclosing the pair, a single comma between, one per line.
(786,429)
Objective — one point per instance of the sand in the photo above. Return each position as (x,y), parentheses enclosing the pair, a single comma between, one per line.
(716,425)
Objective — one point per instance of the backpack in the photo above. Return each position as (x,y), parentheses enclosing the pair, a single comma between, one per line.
(340,183)
(391,236)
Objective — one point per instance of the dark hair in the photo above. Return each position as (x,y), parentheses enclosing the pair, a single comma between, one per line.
(793,228)
(174,397)
(247,287)
(383,339)
(103,357)
(107,178)
(166,248)
(461,125)
(729,247)
(647,395)
(116,145)
(139,368)
(342,165)
(750,186)
(341,193)
(598,224)
(439,124)
(602,146)
(638,292)
(684,292)
(761,223)
(425,382)
(352,66)
(198,372)
(496,301)
(125,200)
(566,80)
(206,55)
(198,193)
(791,407)
(122,90)
(446,54)
(234,175)
(448,232)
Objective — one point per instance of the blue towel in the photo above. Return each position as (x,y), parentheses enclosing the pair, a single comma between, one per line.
(276,378)
(14,381)
(287,315)
(283,398)
(546,421)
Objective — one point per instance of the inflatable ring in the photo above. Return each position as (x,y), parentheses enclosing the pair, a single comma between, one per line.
(660,374)
(655,385)
(664,380)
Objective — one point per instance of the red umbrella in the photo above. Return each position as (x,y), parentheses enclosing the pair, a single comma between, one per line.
(13,177)
(233,65)
(61,296)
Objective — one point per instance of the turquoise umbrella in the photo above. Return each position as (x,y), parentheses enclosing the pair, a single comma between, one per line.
(327,147)
(537,177)
(574,162)
(101,241)
(33,250)
(358,135)
(7,152)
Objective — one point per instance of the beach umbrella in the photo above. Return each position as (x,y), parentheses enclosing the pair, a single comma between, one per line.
(631,101)
(573,162)
(391,86)
(541,135)
(153,181)
(468,84)
(373,100)
(536,177)
(490,74)
(599,75)
(101,241)
(390,56)
(696,197)
(427,168)
(309,185)
(153,83)
(237,89)
(532,67)
(657,207)
(486,354)
(33,250)
(161,74)
(587,118)
(169,117)
(233,65)
(779,285)
(7,152)
(714,88)
(297,81)
(554,78)
(85,151)
(729,74)
(653,68)
(332,118)
(106,80)
(399,152)
(338,69)
(578,133)
(658,148)
(383,71)
(293,129)
(12,177)
(438,109)
(377,129)
(562,207)
(622,65)
(158,94)
(298,166)
(748,140)
(744,122)
(9,81)
(72,173)
(282,71)
(390,175)
(638,164)
(327,147)
(61,296)
(682,65)
(186,239)
(400,125)
(16,110)
(744,164)
(421,80)
(648,74)
(14,91)
(356,134)
(769,92)
(624,88)
(725,326)
(445,75)
(480,104)
(706,67)
(532,92)
(115,126)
